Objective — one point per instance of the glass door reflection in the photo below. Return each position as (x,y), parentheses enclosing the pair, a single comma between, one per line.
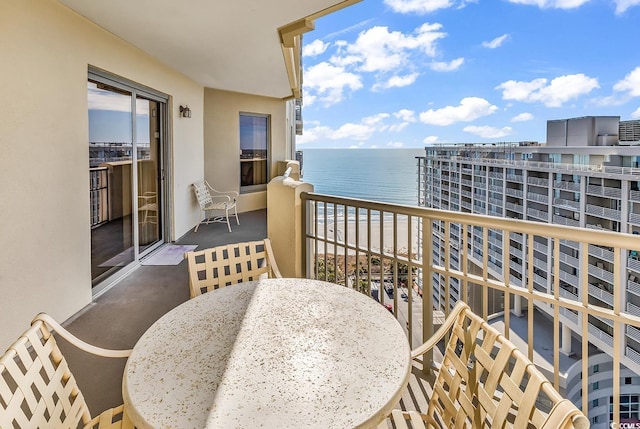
(110,173)
(126,202)
(148,132)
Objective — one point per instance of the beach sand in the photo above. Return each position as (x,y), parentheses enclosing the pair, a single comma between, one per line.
(400,233)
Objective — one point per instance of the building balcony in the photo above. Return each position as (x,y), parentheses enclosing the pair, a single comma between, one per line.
(151,291)
(539,198)
(566,204)
(518,208)
(604,191)
(634,218)
(514,192)
(567,186)
(603,212)
(538,214)
(561,220)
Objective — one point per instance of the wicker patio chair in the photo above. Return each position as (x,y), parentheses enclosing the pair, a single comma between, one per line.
(229,264)
(37,389)
(214,203)
(484,381)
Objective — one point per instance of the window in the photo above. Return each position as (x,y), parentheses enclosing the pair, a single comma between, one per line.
(629,407)
(595,403)
(254,152)
(596,368)
(596,385)
(627,380)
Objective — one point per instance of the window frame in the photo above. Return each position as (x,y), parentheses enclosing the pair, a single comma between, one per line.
(246,189)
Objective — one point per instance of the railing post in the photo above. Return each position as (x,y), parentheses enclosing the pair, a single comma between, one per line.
(427,294)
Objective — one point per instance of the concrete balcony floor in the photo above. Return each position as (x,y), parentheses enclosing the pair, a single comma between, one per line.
(121,315)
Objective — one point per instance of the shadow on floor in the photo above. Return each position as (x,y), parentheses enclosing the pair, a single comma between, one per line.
(118,318)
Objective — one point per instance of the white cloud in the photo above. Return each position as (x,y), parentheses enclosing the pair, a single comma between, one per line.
(522,117)
(379,50)
(105,100)
(314,48)
(470,108)
(397,81)
(554,94)
(396,128)
(430,140)
(419,7)
(375,120)
(445,67)
(391,56)
(630,83)
(406,115)
(326,83)
(636,114)
(488,132)
(624,90)
(312,134)
(361,131)
(623,5)
(552,4)
(495,43)
(352,131)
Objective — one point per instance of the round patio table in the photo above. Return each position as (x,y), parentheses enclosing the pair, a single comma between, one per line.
(273,353)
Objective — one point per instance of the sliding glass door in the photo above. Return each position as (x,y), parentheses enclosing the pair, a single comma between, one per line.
(126,157)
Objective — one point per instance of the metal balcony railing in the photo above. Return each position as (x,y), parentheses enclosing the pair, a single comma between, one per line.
(539,198)
(603,212)
(566,204)
(634,218)
(604,191)
(553,167)
(373,247)
(567,186)
(538,181)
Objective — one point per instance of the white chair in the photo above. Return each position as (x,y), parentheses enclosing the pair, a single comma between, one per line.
(37,389)
(214,203)
(225,265)
(148,208)
(485,381)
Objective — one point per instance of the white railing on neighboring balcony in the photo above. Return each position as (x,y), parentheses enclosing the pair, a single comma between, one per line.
(365,244)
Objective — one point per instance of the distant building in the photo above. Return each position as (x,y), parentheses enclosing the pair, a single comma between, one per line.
(586,175)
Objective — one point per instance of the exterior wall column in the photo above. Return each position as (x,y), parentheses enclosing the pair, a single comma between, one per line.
(284,220)
(565,346)
(517,306)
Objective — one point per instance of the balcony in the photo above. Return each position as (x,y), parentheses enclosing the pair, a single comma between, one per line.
(389,235)
(603,212)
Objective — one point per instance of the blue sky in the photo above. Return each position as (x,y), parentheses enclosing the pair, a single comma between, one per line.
(408,73)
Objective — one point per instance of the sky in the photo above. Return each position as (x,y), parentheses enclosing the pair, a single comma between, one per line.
(410,73)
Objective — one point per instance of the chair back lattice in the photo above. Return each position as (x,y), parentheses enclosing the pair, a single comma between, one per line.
(486,382)
(222,266)
(37,389)
(202,194)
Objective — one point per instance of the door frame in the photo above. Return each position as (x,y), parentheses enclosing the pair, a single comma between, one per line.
(137,89)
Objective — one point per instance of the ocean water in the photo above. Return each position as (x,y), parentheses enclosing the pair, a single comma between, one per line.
(385,175)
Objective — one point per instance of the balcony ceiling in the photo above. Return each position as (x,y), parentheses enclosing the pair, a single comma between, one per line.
(231,45)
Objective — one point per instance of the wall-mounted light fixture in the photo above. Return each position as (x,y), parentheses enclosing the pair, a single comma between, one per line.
(185,112)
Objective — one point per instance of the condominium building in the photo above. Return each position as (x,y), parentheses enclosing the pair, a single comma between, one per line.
(586,175)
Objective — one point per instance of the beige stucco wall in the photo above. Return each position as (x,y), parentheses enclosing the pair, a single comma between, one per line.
(45,50)
(222,140)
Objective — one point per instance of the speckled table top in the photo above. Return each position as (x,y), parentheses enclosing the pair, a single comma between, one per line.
(275,353)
